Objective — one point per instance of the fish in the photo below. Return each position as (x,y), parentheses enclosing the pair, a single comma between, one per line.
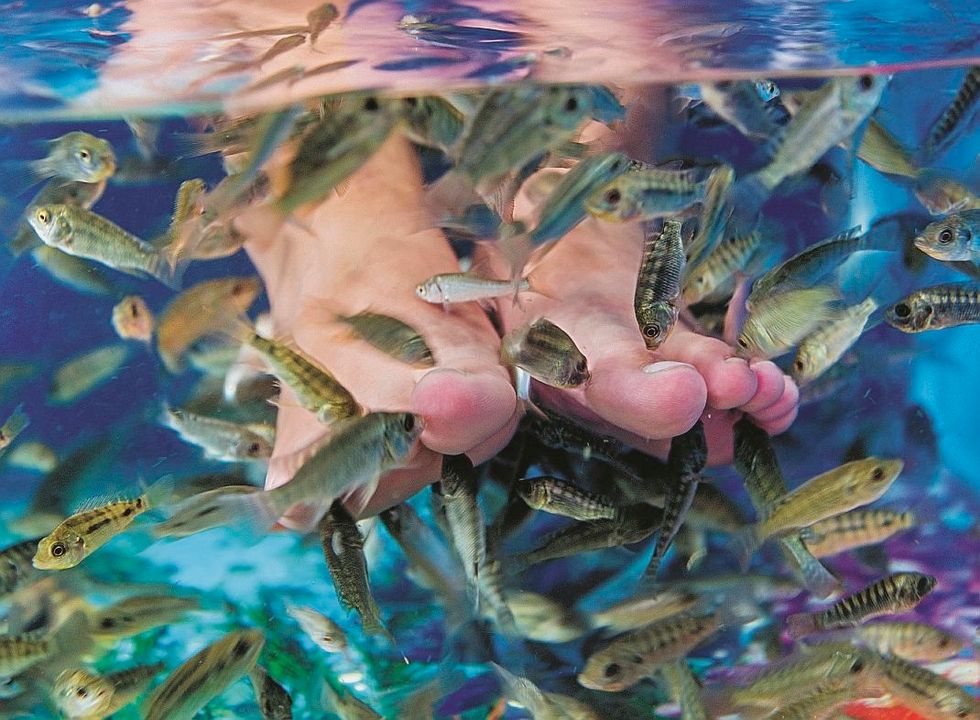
(844,488)
(685,689)
(76,273)
(194,514)
(540,704)
(345,703)
(685,461)
(26,650)
(56,191)
(203,676)
(199,311)
(77,157)
(513,124)
(137,614)
(319,18)
(739,103)
(936,308)
(911,641)
(954,117)
(132,319)
(659,284)
(458,489)
(448,288)
(895,593)
(324,632)
(490,591)
(543,619)
(714,216)
(564,207)
(547,353)
(87,371)
(13,426)
(644,609)
(822,348)
(273,699)
(432,121)
(955,237)
(713,278)
(78,693)
(774,325)
(559,497)
(343,548)
(130,683)
(942,195)
(628,658)
(392,337)
(221,439)
(16,569)
(756,461)
(880,150)
(87,530)
(316,389)
(84,234)
(646,194)
(930,695)
(854,529)
(827,695)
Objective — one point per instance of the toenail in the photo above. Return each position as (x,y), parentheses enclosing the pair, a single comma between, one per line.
(665,365)
(733,360)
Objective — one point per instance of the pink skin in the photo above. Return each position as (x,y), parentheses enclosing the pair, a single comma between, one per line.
(371,245)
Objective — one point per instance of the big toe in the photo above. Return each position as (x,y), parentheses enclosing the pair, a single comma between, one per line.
(730,381)
(462,410)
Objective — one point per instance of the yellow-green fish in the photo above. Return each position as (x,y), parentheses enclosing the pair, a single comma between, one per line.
(432,121)
(659,284)
(685,689)
(819,350)
(34,456)
(543,619)
(936,307)
(827,695)
(629,658)
(16,569)
(76,156)
(54,192)
(82,695)
(273,699)
(926,693)
(83,533)
(884,153)
(202,677)
(324,632)
(84,373)
(713,219)
(130,683)
(941,195)
(140,613)
(559,497)
(778,322)
(854,529)
(345,703)
(912,641)
(713,278)
(542,705)
(76,273)
(645,194)
(892,594)
(644,609)
(547,353)
(12,427)
(392,337)
(457,491)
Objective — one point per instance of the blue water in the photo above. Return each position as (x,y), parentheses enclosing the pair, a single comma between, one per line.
(913,397)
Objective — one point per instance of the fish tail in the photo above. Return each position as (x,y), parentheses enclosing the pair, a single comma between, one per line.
(746,543)
(16,423)
(161,492)
(816,578)
(800,625)
(253,511)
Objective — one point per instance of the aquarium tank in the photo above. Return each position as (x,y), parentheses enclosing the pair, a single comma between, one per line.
(490,360)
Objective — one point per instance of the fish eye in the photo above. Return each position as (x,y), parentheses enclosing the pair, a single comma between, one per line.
(944,642)
(420,291)
(652,330)
(327,638)
(412,101)
(742,342)
(946,236)
(571,105)
(923,585)
(81,692)
(134,310)
(84,154)
(878,475)
(858,666)
(612,670)
(409,423)
(613,196)
(371,104)
(865,82)
(962,713)
(107,623)
(42,215)
(253,448)
(902,310)
(59,549)
(798,365)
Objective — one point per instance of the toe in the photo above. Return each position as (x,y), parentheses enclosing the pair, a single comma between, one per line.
(771,384)
(730,381)
(462,410)
(787,402)
(780,424)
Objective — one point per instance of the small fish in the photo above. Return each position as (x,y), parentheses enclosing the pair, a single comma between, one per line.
(542,705)
(79,693)
(755,460)
(82,233)
(316,389)
(911,641)
(491,592)
(345,703)
(273,699)
(659,284)
(924,692)
(714,216)
(23,651)
(511,125)
(646,194)
(954,118)
(432,121)
(777,323)
(16,569)
(854,529)
(202,677)
(558,497)
(84,373)
(740,104)
(941,195)
(140,613)
(955,237)
(685,689)
(936,307)
(199,311)
(543,619)
(458,489)
(644,609)
(83,533)
(343,548)
(713,278)
(819,350)
(547,353)
(896,593)
(76,156)
(449,288)
(194,514)
(319,18)
(130,683)
(324,632)
(12,427)
(56,191)
(631,657)
(221,439)
(564,208)
(392,337)
(827,695)
(76,273)
(132,319)
(884,153)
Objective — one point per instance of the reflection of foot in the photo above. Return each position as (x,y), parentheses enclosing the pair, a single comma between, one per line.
(642,396)
(372,246)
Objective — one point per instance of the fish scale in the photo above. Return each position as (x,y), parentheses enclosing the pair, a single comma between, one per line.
(926,692)
(458,487)
(952,117)
(937,307)
(659,284)
(854,529)
(558,497)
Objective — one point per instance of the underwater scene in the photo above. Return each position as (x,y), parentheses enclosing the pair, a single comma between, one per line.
(490,360)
